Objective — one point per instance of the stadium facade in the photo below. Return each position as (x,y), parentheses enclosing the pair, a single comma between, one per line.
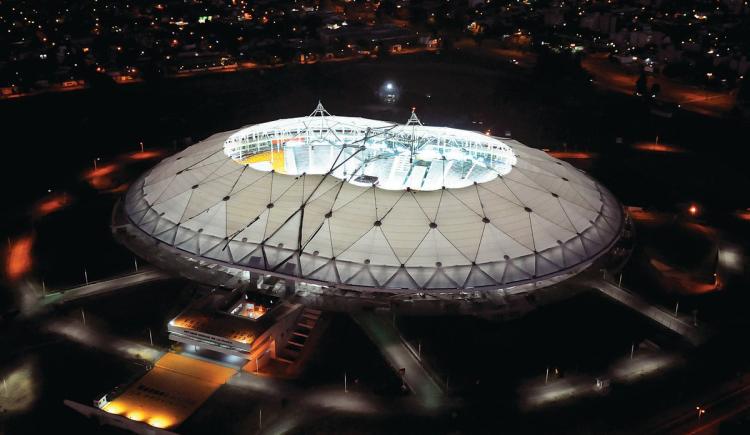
(344,208)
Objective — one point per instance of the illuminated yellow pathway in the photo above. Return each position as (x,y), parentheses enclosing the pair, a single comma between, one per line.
(170,392)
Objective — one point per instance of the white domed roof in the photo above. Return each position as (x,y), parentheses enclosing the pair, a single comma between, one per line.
(369,204)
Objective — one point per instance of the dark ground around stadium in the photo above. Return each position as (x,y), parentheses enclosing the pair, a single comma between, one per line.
(51,140)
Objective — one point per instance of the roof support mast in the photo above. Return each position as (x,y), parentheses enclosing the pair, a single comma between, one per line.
(414,122)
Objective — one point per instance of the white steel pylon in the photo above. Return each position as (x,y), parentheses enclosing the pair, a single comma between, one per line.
(413,120)
(320,110)
(320,113)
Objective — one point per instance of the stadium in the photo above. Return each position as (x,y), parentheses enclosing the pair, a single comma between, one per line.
(334,209)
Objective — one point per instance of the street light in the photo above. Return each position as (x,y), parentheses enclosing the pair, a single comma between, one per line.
(700,410)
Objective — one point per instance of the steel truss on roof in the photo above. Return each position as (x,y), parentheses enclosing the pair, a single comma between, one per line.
(365,141)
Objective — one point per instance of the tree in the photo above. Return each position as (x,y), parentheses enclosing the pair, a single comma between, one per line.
(641,85)
(655,89)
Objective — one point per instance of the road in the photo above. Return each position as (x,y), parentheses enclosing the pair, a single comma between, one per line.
(614,77)
(386,337)
(727,401)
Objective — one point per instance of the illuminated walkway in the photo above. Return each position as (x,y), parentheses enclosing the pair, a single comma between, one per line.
(105,286)
(665,318)
(541,392)
(76,331)
(386,337)
(170,392)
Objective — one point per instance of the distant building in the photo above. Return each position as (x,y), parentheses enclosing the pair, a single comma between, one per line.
(554,16)
(604,23)
(195,61)
(376,35)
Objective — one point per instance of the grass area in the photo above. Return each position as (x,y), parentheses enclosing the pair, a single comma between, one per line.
(346,349)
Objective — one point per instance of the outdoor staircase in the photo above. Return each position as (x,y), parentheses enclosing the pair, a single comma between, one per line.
(296,342)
